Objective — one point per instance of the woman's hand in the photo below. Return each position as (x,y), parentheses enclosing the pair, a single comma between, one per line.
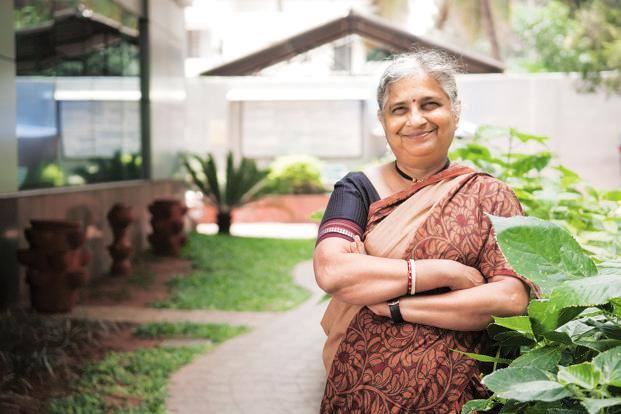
(456,275)
(357,246)
(380,309)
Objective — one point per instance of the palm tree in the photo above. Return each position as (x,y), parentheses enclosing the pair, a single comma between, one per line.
(474,15)
(241,185)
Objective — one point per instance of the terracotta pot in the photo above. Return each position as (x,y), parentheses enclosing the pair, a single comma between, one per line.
(55,262)
(120,217)
(167,222)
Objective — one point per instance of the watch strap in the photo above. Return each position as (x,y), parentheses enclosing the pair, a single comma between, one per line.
(395,311)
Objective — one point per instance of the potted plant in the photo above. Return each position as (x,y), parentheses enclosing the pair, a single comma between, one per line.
(241,184)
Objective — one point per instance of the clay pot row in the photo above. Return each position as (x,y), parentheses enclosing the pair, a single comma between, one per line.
(56,259)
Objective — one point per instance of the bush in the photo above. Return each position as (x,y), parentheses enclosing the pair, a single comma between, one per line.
(294,174)
(564,356)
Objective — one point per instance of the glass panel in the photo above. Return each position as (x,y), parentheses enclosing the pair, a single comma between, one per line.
(78,92)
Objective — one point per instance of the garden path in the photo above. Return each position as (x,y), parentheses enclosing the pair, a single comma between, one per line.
(276,368)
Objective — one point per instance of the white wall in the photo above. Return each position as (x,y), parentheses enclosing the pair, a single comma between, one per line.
(584,129)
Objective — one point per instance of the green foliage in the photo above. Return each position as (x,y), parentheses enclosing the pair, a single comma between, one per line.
(242,183)
(35,347)
(239,273)
(43,175)
(294,174)
(546,190)
(564,356)
(567,350)
(574,36)
(118,168)
(126,382)
(215,333)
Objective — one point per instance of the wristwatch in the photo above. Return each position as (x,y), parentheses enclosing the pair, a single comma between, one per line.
(395,312)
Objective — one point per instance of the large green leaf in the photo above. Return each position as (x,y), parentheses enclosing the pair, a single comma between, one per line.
(546,316)
(516,323)
(542,251)
(585,375)
(587,292)
(609,364)
(594,406)
(525,384)
(546,358)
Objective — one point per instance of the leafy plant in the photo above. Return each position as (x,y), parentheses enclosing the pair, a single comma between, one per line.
(294,174)
(118,168)
(574,36)
(564,356)
(241,184)
(43,175)
(547,190)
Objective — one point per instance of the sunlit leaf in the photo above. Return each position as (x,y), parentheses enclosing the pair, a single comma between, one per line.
(542,251)
(584,375)
(525,384)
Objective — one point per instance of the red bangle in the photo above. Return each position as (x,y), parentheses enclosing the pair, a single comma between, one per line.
(409,277)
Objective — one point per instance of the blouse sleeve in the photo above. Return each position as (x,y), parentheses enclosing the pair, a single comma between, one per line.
(347,210)
(498,199)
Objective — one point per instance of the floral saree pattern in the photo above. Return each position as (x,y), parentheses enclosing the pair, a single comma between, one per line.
(382,367)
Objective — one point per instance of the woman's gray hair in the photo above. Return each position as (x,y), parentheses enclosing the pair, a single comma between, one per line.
(439,65)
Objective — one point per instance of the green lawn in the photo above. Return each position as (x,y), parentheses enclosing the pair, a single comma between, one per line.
(216,333)
(240,274)
(135,382)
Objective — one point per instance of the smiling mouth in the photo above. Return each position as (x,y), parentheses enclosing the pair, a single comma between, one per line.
(416,135)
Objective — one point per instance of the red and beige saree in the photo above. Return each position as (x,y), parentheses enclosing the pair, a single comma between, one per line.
(376,366)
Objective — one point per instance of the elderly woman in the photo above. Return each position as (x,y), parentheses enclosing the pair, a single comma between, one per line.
(409,256)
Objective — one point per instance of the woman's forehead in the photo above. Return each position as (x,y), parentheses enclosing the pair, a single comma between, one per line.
(415,87)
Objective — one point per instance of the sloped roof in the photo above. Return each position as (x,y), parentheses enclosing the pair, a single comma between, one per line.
(378,30)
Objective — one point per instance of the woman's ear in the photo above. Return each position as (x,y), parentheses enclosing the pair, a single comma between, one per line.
(380,117)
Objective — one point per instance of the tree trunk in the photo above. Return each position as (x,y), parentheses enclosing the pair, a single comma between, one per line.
(491,29)
(224,222)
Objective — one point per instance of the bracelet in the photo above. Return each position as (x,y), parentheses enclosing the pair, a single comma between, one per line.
(412,277)
(395,311)
(409,289)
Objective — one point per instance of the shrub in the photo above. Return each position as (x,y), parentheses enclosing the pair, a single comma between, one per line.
(294,174)
(564,356)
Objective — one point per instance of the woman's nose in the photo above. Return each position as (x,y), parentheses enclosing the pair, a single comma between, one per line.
(415,118)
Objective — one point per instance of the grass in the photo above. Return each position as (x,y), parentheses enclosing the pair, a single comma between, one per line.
(135,382)
(239,274)
(36,347)
(216,333)
(126,382)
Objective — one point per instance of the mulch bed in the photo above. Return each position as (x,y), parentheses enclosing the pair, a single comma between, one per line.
(146,285)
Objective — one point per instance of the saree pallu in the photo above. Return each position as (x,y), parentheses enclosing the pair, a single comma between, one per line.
(376,366)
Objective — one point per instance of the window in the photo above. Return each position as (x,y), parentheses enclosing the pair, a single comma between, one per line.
(78,93)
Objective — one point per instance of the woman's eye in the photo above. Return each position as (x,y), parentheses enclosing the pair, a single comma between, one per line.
(430,105)
(398,110)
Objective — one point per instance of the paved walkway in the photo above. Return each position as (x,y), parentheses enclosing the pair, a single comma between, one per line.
(274,369)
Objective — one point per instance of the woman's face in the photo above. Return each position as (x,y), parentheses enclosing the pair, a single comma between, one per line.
(418,121)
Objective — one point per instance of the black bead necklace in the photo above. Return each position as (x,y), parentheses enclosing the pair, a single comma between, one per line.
(418,180)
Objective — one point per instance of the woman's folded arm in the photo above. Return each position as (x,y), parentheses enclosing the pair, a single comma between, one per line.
(464,310)
(362,280)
